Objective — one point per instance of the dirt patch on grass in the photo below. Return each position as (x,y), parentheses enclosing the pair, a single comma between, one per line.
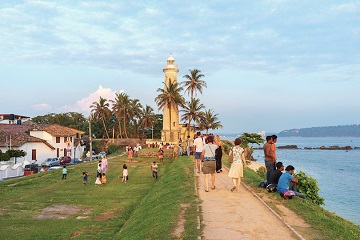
(105,216)
(61,211)
(75,234)
(180,228)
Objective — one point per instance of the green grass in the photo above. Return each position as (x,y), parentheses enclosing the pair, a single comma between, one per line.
(143,208)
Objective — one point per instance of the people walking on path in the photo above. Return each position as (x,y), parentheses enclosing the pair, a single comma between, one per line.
(238,165)
(209,167)
(64,172)
(198,145)
(218,154)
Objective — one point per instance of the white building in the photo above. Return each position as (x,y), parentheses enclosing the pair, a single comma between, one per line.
(41,141)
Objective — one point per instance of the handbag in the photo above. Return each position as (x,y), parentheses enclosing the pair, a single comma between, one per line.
(231,156)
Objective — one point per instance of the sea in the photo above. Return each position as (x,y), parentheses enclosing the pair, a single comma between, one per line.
(336,171)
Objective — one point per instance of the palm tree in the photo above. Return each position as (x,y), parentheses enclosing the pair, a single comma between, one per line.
(193,82)
(147,118)
(191,111)
(209,120)
(101,111)
(134,114)
(170,97)
(117,106)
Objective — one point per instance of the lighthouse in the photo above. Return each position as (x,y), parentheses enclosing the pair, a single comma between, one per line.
(171,128)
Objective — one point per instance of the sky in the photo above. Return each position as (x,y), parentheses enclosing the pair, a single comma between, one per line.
(269,65)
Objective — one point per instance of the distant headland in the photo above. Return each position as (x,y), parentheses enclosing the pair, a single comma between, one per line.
(329,131)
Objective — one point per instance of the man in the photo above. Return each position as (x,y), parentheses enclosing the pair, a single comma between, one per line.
(188,145)
(274,178)
(198,145)
(288,182)
(270,160)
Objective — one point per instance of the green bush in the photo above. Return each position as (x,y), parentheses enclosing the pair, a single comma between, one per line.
(309,186)
(261,172)
(112,148)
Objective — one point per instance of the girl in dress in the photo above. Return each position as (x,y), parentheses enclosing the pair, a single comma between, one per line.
(125,174)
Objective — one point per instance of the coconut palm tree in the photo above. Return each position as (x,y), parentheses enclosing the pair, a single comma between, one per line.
(193,82)
(147,118)
(209,120)
(117,109)
(101,111)
(191,111)
(170,97)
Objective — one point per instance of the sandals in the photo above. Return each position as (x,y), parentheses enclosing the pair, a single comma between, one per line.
(233,189)
(213,188)
(206,190)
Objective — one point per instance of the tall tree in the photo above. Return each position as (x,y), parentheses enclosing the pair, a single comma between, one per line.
(171,98)
(209,120)
(101,111)
(193,82)
(117,109)
(147,118)
(192,110)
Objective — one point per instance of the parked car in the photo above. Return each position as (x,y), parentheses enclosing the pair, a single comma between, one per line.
(49,162)
(65,160)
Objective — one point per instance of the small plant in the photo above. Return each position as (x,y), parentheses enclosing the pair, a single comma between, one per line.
(112,148)
(309,187)
(261,172)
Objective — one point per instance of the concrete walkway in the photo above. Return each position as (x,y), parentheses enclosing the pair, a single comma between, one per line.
(237,215)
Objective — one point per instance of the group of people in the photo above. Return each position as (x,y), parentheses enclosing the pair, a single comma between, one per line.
(100,172)
(208,156)
(277,179)
(132,151)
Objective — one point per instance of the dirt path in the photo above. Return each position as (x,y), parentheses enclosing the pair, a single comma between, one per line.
(237,215)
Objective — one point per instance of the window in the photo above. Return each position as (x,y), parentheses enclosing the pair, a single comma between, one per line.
(174,124)
(57,139)
(65,139)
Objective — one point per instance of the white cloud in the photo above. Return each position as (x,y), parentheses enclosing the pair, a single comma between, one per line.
(83,105)
(41,107)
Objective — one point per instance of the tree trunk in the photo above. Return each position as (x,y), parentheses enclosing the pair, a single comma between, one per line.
(103,121)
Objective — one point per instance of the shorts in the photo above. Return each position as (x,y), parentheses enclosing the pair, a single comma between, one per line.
(209,167)
(198,155)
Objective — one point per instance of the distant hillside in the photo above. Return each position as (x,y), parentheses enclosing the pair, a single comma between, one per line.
(331,131)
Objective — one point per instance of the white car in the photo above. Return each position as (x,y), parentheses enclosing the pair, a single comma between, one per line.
(49,162)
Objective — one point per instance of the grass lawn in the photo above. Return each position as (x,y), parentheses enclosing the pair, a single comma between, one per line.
(42,206)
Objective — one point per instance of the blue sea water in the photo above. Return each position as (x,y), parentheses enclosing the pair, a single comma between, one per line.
(336,171)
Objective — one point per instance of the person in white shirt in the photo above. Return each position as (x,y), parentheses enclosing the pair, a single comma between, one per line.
(198,145)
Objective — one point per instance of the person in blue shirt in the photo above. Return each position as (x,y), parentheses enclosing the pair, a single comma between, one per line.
(288,182)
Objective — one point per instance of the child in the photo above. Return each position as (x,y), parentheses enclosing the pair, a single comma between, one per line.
(160,155)
(97,182)
(85,178)
(130,154)
(103,179)
(125,174)
(154,168)
(64,172)
(98,171)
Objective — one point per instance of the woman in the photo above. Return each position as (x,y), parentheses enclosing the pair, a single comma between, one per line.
(218,154)
(209,165)
(239,163)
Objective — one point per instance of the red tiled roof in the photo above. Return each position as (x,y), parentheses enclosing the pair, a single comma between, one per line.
(19,139)
(14,128)
(56,130)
